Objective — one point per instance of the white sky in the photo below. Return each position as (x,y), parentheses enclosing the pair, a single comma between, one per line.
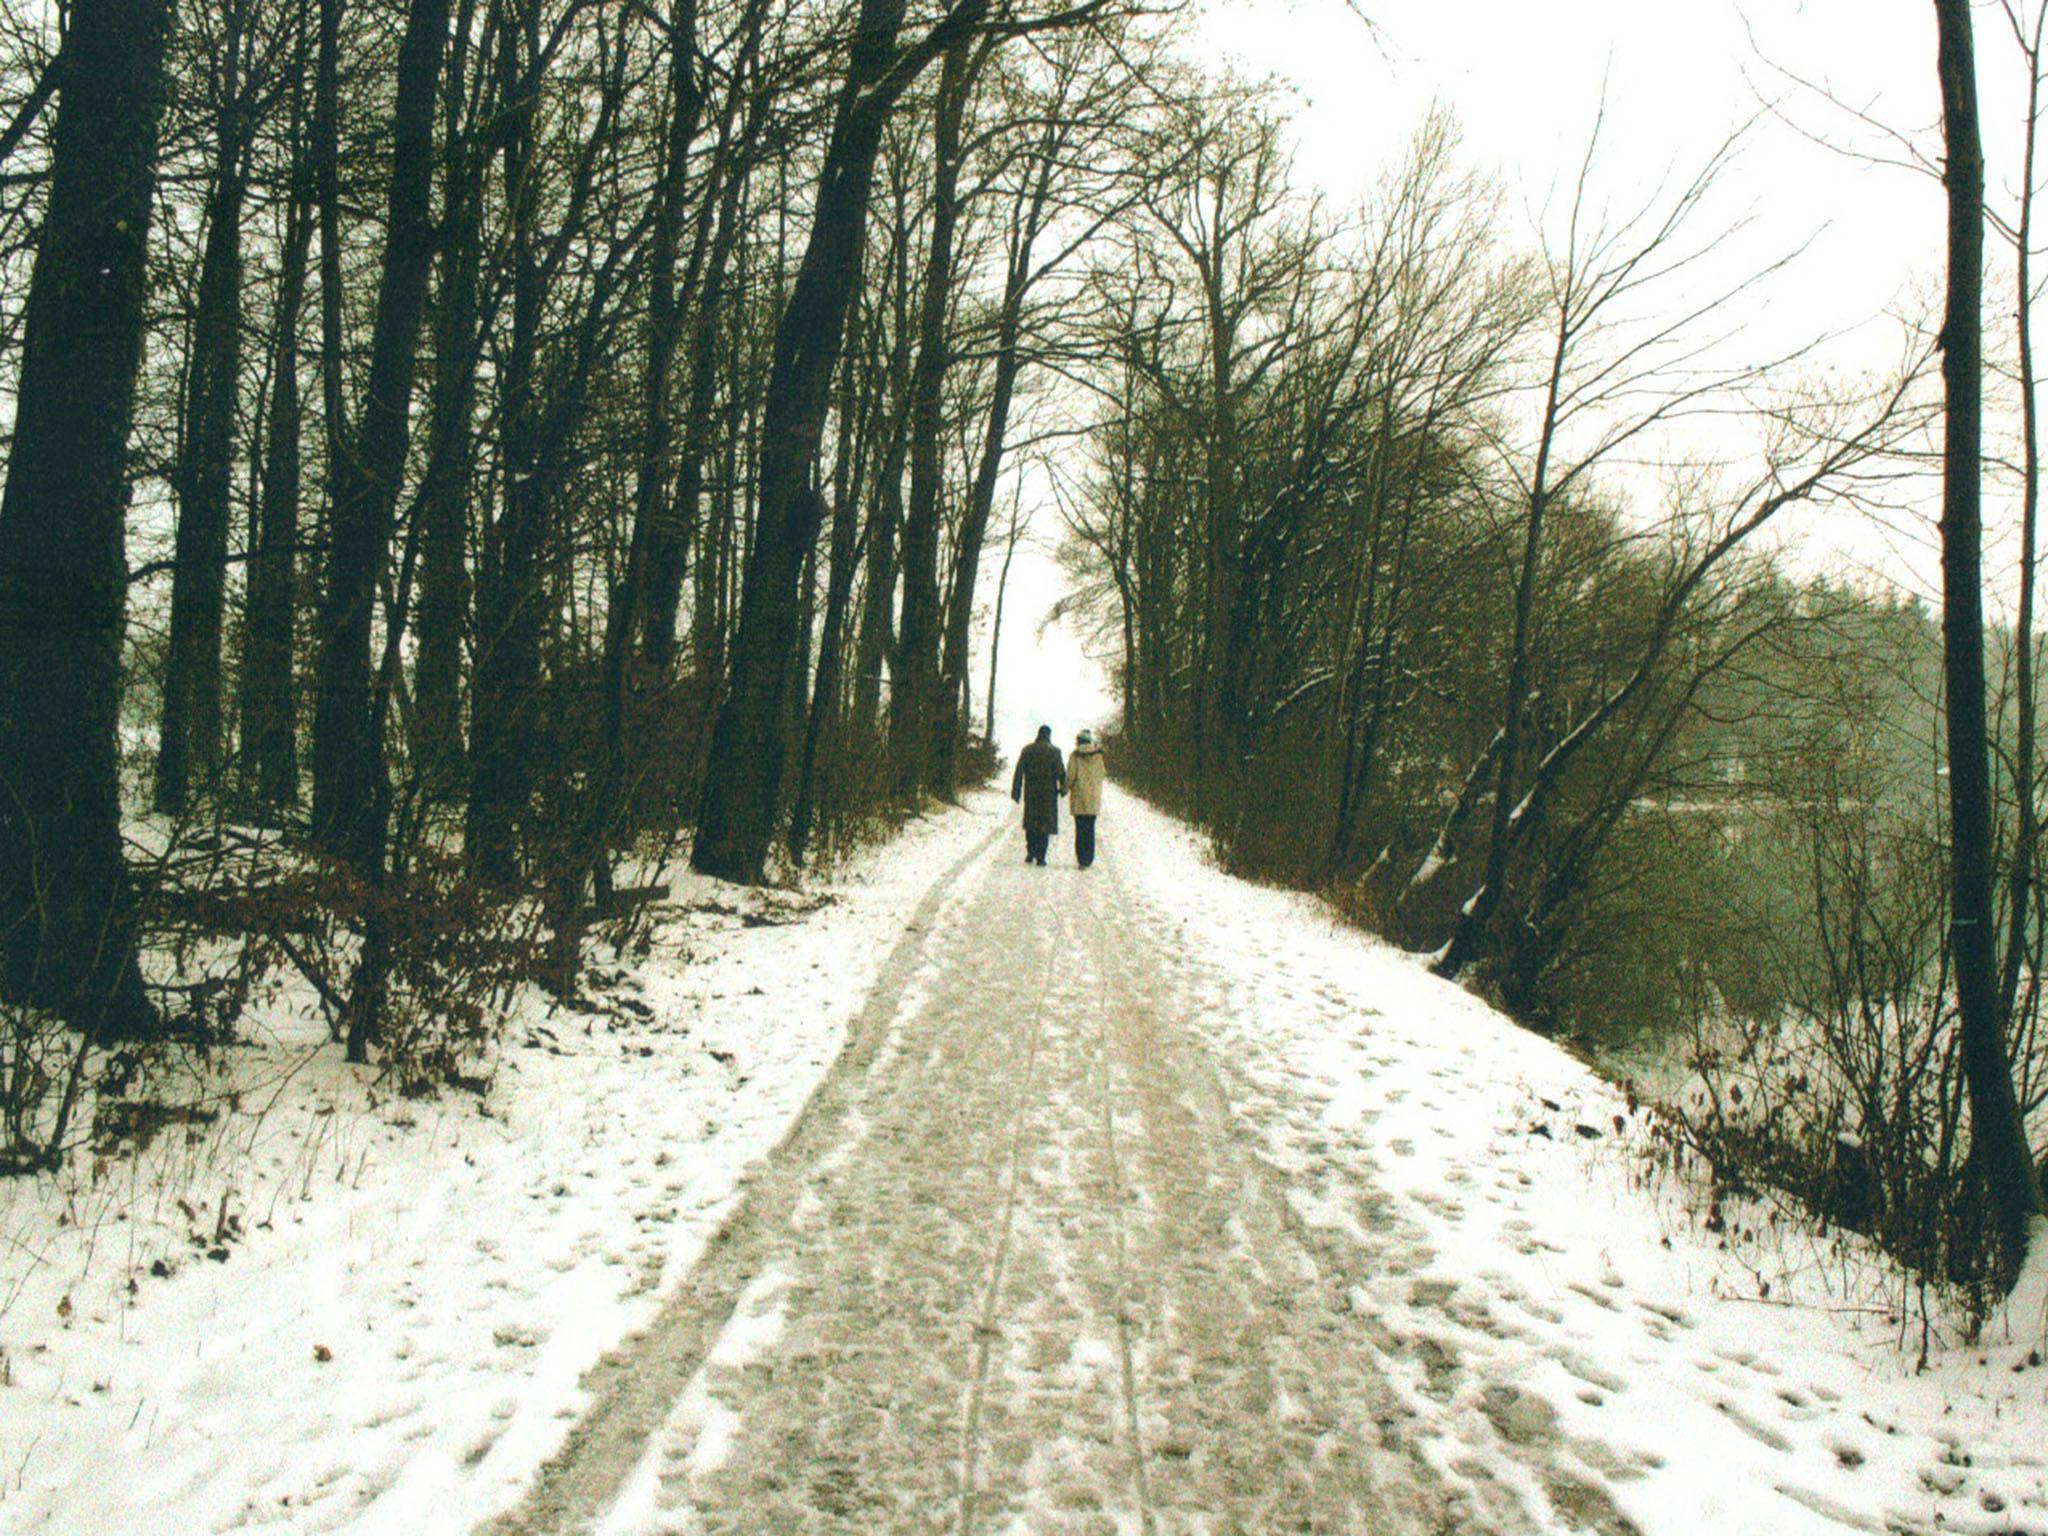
(1525,79)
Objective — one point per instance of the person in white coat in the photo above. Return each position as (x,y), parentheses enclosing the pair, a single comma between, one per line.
(1085,774)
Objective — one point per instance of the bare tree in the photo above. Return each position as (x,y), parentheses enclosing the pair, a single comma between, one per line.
(743,778)
(67,907)
(1617,366)
(1998,1140)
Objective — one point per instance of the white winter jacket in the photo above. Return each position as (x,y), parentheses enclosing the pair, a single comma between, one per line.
(1085,774)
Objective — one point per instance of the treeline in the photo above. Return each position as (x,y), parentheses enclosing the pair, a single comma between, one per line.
(479,437)
(1434,570)
(1382,614)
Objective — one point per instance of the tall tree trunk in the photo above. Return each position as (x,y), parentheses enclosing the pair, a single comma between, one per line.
(981,499)
(877,636)
(327,198)
(190,732)
(995,639)
(719,225)
(708,616)
(653,508)
(349,788)
(668,560)
(270,716)
(67,910)
(915,708)
(743,778)
(543,396)
(799,693)
(511,603)
(1363,710)
(821,725)
(1362,765)
(2026,774)
(1998,1138)
(878,608)
(442,613)
(1478,911)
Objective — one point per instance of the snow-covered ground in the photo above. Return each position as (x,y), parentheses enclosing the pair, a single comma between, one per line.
(331,1310)
(984,1254)
(1553,1298)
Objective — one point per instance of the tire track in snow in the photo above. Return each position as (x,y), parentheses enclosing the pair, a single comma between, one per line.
(986,1330)
(1027,1275)
(1263,1395)
(1120,1194)
(632,1390)
(851,1418)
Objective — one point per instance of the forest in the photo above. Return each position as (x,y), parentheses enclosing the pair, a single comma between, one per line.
(466,456)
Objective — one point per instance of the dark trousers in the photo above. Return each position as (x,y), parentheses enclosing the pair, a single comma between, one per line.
(1035,845)
(1084,840)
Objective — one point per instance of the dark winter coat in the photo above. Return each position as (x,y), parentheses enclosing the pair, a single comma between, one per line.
(1040,780)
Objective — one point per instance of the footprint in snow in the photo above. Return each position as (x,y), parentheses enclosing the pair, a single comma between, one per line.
(1519,1416)
(1752,1426)
(1942,1478)
(1598,1298)
(1588,1370)
(391,1411)
(1671,1314)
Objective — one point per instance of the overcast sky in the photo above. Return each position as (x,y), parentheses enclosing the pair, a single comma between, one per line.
(1526,82)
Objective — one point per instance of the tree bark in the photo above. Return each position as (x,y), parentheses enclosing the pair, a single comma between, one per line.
(915,708)
(1998,1139)
(67,907)
(820,727)
(327,199)
(270,717)
(512,595)
(877,637)
(718,222)
(1478,911)
(190,727)
(743,778)
(442,613)
(981,497)
(653,508)
(2026,778)
(349,790)
(544,394)
(995,639)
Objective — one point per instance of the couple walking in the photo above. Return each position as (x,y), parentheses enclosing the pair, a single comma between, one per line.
(1042,777)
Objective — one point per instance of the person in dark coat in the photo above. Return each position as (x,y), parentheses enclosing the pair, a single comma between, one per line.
(1040,780)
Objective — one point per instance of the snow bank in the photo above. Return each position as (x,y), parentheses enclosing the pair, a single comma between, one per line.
(330,1310)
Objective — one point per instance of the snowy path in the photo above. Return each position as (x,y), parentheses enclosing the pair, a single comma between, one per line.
(1145,1201)
(951,1195)
(1023,1270)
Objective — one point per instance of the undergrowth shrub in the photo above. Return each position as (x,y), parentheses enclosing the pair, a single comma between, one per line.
(1841,1084)
(43,1081)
